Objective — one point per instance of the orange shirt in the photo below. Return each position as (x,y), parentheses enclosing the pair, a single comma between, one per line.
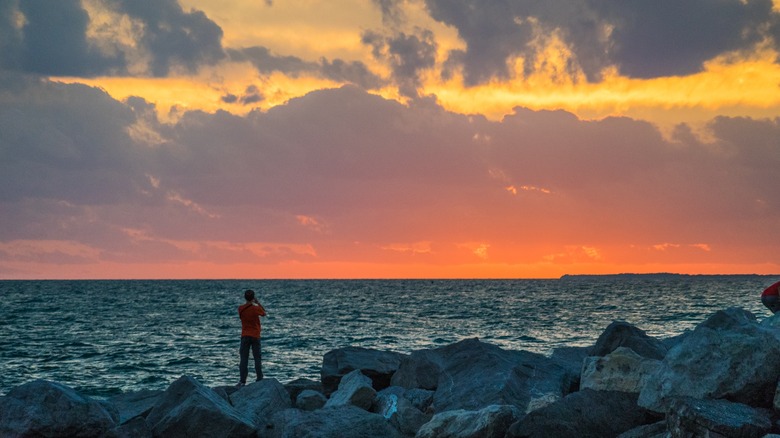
(250,319)
(772,290)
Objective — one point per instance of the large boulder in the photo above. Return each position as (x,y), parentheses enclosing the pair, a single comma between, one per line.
(420,398)
(622,370)
(392,404)
(585,413)
(654,430)
(136,427)
(259,401)
(188,408)
(728,356)
(623,334)
(690,417)
(297,386)
(489,422)
(571,358)
(354,389)
(134,404)
(50,409)
(471,375)
(379,366)
(335,422)
(310,400)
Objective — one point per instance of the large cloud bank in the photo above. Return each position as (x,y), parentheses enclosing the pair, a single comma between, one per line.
(341,175)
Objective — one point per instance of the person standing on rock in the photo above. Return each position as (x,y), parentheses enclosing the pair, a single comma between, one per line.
(250,313)
(771,297)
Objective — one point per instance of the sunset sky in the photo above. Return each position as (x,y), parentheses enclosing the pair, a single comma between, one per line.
(388,138)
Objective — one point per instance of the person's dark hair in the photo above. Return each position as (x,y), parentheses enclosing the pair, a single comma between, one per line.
(249,295)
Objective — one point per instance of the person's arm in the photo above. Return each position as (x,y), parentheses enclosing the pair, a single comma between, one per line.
(262,309)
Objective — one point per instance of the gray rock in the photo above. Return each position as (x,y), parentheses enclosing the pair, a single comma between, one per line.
(622,370)
(728,356)
(50,409)
(297,386)
(421,370)
(471,375)
(490,422)
(354,389)
(259,401)
(188,408)
(335,422)
(310,400)
(623,334)
(379,366)
(689,417)
(392,404)
(772,321)
(655,430)
(586,413)
(134,428)
(134,404)
(672,342)
(571,358)
(420,398)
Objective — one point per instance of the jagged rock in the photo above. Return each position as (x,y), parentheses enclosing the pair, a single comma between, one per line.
(421,370)
(379,366)
(259,401)
(134,404)
(571,358)
(392,404)
(310,400)
(354,389)
(490,422)
(727,356)
(622,370)
(471,375)
(690,417)
(223,392)
(655,430)
(297,386)
(586,413)
(134,428)
(51,409)
(672,342)
(420,398)
(772,321)
(188,408)
(334,422)
(623,334)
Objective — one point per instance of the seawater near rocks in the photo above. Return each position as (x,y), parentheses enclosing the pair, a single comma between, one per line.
(720,379)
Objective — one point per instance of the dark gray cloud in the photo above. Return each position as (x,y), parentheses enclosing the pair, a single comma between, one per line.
(356,73)
(266,62)
(407,55)
(52,40)
(392,14)
(71,145)
(174,37)
(643,39)
(251,95)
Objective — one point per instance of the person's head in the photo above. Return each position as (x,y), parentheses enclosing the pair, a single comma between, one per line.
(249,295)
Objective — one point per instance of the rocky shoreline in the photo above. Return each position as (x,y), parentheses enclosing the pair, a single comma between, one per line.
(717,380)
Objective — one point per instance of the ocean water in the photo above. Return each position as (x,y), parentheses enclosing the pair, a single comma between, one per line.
(107,337)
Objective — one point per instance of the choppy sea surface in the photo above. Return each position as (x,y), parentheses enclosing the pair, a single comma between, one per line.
(107,337)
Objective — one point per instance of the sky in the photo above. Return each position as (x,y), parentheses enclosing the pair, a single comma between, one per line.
(388,138)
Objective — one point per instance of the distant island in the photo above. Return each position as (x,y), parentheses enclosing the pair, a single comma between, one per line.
(652,276)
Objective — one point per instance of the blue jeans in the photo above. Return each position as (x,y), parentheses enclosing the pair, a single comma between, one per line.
(243,366)
(772,302)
